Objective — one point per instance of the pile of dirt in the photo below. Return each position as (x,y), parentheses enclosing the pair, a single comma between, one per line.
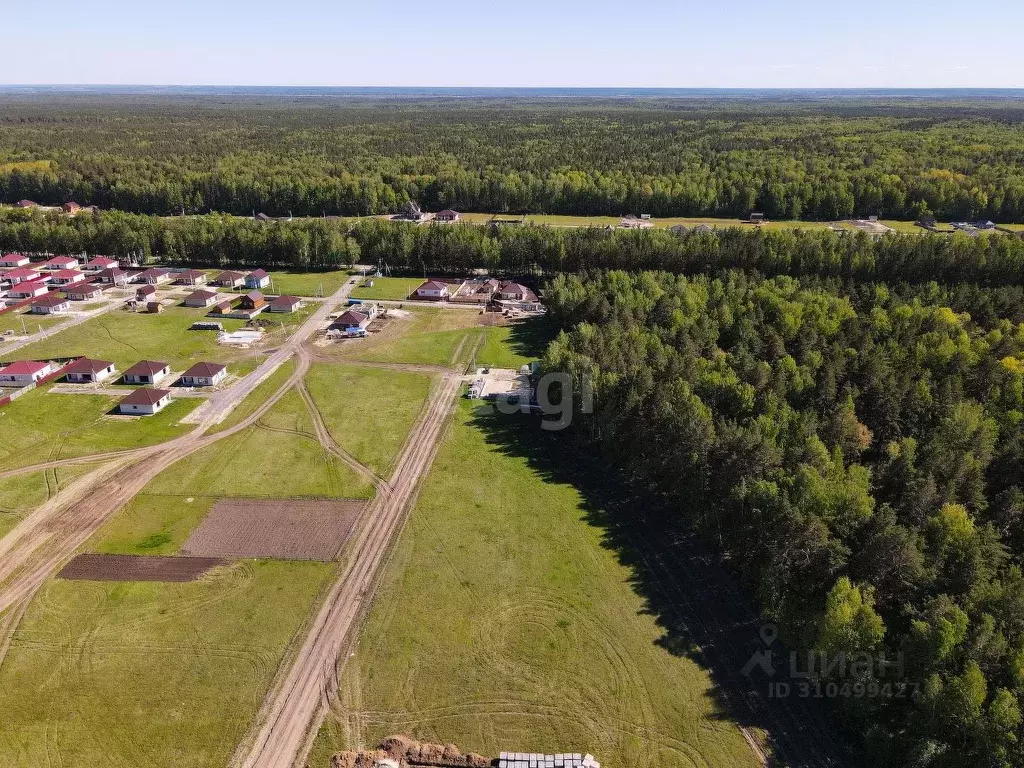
(409,752)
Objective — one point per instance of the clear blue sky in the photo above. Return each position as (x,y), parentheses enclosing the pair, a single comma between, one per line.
(681,43)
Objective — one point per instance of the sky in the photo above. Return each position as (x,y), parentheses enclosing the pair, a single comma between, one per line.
(528,43)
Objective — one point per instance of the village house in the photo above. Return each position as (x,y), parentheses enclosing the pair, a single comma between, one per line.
(203,375)
(432,290)
(59,262)
(257,279)
(515,292)
(51,304)
(114,276)
(447,215)
(154,276)
(26,204)
(22,275)
(284,304)
(24,372)
(71,207)
(145,402)
(143,292)
(28,289)
(147,372)
(12,260)
(87,371)
(190,277)
(200,299)
(84,292)
(253,300)
(98,263)
(230,279)
(350,323)
(66,277)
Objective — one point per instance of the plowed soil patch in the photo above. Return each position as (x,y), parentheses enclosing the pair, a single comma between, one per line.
(288,529)
(137,568)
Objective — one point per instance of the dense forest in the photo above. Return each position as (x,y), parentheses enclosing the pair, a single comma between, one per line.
(215,240)
(821,160)
(857,452)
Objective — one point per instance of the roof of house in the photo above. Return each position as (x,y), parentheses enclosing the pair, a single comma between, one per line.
(69,273)
(447,212)
(102,261)
(285,301)
(87,365)
(193,274)
(13,257)
(253,296)
(432,285)
(229,275)
(62,260)
(24,367)
(154,272)
(204,370)
(49,301)
(26,203)
(112,272)
(82,288)
(146,368)
(71,205)
(201,296)
(145,397)
(223,306)
(30,284)
(147,289)
(351,318)
(259,274)
(21,273)
(513,288)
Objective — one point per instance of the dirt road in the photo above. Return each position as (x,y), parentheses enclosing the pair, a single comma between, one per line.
(296,705)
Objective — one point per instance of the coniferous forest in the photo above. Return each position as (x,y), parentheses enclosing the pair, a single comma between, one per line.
(312,155)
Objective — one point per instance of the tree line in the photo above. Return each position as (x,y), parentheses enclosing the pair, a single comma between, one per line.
(857,451)
(664,157)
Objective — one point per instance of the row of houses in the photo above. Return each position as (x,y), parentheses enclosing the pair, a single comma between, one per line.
(483,290)
(86,370)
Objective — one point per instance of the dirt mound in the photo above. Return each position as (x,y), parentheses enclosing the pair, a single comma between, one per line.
(409,752)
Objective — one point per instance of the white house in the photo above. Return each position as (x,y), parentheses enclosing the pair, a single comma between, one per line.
(154,276)
(99,263)
(147,372)
(257,279)
(86,371)
(84,292)
(284,304)
(350,324)
(60,262)
(29,290)
(200,299)
(203,375)
(50,305)
(145,402)
(66,277)
(25,372)
(22,275)
(12,260)
(433,290)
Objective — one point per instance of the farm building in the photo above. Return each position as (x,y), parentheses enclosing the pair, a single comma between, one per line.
(257,279)
(203,375)
(26,204)
(87,371)
(201,299)
(350,323)
(154,276)
(99,263)
(147,372)
(190,277)
(71,207)
(253,300)
(22,275)
(142,293)
(154,307)
(66,277)
(284,304)
(145,402)
(59,262)
(12,260)
(114,276)
(28,290)
(84,292)
(432,290)
(49,305)
(447,215)
(25,372)
(230,279)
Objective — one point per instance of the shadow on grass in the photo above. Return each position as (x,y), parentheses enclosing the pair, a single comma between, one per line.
(702,611)
(530,337)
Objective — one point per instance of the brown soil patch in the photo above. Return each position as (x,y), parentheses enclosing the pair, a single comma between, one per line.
(137,568)
(287,529)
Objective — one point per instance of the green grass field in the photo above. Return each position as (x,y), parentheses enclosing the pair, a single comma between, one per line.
(257,397)
(41,427)
(497,350)
(503,622)
(279,457)
(149,674)
(427,336)
(127,337)
(151,524)
(307,283)
(368,411)
(18,320)
(20,494)
(384,288)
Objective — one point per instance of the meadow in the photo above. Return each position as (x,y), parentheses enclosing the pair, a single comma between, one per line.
(20,494)
(307,283)
(426,336)
(386,288)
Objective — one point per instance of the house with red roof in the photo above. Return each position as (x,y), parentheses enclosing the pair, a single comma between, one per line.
(230,279)
(51,304)
(113,276)
(432,290)
(25,372)
(26,204)
(84,292)
(145,402)
(28,289)
(99,263)
(447,215)
(284,304)
(200,299)
(87,371)
(190,277)
(203,375)
(154,276)
(515,292)
(143,292)
(66,277)
(257,279)
(147,372)
(12,260)
(71,207)
(21,275)
(350,323)
(59,262)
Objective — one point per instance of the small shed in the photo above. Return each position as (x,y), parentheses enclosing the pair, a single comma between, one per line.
(154,307)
